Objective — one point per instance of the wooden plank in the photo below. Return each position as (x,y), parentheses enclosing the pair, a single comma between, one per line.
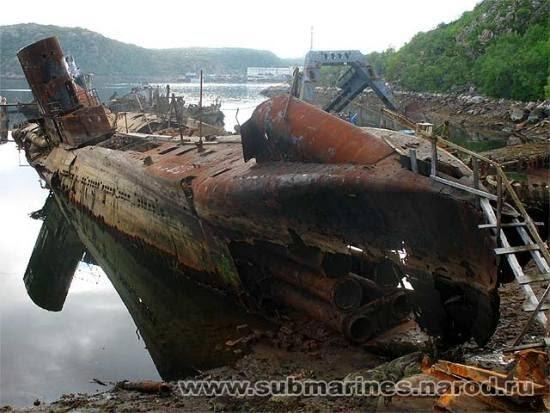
(508,225)
(537,311)
(499,203)
(531,307)
(465,188)
(513,250)
(530,226)
(414,163)
(434,157)
(524,347)
(475,168)
(536,255)
(526,279)
(494,379)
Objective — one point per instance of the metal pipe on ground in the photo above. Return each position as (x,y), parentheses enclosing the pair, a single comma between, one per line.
(370,289)
(377,316)
(345,293)
(355,327)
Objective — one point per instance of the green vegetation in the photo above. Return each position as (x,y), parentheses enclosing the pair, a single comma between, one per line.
(103,56)
(502,48)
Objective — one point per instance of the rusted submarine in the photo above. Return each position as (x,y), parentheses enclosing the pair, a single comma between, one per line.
(302,210)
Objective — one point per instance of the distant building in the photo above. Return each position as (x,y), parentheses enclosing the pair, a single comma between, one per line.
(259,74)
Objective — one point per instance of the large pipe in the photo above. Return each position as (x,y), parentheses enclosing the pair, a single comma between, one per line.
(355,327)
(345,292)
(373,318)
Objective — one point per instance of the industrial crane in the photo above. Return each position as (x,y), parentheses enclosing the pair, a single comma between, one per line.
(359,76)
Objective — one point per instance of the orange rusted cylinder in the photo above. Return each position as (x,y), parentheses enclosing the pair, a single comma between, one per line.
(72,114)
(298,131)
(145,386)
(356,326)
(292,297)
(345,292)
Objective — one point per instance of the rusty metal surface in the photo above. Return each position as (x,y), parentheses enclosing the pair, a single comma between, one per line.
(330,206)
(84,126)
(305,133)
(251,198)
(48,77)
(73,115)
(318,186)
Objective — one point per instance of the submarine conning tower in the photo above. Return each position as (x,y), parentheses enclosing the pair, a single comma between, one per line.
(72,114)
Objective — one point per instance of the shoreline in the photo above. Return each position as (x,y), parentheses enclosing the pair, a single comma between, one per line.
(514,121)
(304,349)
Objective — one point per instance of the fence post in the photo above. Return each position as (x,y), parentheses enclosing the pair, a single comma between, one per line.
(414,164)
(434,156)
(499,202)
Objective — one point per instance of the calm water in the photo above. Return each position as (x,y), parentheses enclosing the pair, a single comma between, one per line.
(242,96)
(124,316)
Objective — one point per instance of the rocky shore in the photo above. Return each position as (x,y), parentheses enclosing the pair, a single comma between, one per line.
(515,121)
(524,120)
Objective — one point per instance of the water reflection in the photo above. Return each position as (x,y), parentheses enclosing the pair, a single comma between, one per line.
(184,325)
(54,259)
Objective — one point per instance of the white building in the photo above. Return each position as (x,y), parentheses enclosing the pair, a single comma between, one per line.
(255,74)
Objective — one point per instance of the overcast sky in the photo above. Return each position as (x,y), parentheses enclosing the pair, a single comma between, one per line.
(281,26)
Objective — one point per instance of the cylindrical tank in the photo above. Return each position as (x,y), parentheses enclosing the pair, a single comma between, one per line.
(286,128)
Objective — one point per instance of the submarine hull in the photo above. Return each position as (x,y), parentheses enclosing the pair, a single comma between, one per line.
(299,187)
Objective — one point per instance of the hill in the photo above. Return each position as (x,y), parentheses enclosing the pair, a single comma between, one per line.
(502,48)
(103,56)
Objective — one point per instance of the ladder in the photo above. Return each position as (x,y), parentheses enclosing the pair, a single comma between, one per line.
(536,306)
(525,227)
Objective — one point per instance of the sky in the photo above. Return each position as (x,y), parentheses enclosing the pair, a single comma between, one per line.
(283,26)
